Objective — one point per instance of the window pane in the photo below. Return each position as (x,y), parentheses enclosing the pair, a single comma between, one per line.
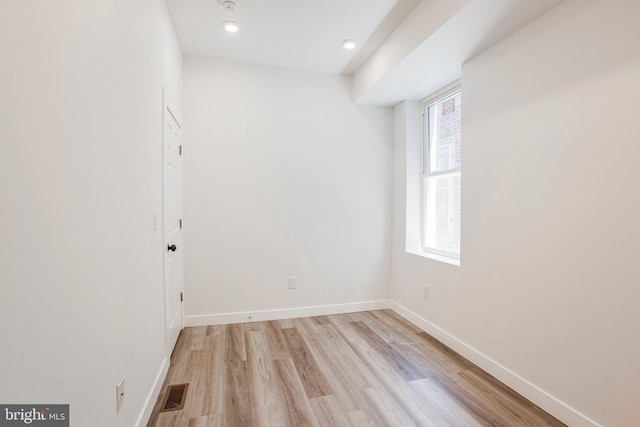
(445,134)
(442,225)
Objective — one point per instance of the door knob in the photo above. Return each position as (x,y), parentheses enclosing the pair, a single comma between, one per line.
(172,248)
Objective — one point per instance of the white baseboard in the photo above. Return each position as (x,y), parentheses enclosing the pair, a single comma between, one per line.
(550,404)
(143,419)
(286,313)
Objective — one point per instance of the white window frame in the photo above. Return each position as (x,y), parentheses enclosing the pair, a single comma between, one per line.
(441,95)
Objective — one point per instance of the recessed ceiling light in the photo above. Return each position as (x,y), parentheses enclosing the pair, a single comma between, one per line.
(231,26)
(349,44)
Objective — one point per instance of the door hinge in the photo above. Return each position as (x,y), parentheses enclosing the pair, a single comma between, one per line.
(180,223)
(180,151)
(181,296)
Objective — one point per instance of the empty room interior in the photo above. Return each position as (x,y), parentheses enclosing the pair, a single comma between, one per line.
(388,180)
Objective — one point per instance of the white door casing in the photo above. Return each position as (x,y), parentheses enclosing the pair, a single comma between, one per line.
(172,207)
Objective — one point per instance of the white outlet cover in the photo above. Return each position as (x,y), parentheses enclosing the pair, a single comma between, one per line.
(426,292)
(119,394)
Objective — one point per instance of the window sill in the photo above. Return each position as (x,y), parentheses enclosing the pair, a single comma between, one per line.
(436,257)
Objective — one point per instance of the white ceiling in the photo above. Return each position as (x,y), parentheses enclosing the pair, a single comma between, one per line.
(307,35)
(478,25)
(299,34)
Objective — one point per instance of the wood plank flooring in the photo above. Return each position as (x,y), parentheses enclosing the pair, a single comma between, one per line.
(353,370)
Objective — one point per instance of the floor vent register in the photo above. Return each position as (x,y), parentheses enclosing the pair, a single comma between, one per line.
(176,395)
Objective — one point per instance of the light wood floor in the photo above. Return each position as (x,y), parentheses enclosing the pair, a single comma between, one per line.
(358,369)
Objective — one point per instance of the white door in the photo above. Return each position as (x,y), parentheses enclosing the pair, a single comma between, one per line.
(172,196)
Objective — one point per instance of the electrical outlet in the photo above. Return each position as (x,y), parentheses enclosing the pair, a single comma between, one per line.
(119,394)
(292,282)
(425,291)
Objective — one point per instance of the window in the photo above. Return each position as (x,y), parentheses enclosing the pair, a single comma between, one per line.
(441,174)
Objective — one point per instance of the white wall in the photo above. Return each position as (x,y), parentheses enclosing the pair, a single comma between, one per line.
(284,176)
(549,283)
(81,138)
